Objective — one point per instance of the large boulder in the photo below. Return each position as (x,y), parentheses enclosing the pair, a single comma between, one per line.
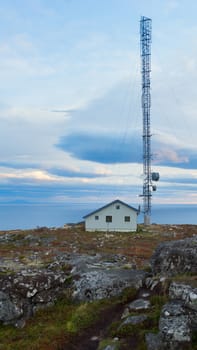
(187,295)
(8,310)
(82,277)
(24,292)
(174,324)
(175,257)
(102,276)
(178,320)
(100,283)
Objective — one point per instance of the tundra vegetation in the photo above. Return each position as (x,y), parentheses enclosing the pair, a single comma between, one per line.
(71,324)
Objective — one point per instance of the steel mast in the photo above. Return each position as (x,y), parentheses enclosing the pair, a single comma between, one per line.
(145,41)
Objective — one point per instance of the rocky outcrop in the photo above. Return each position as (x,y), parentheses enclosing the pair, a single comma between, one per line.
(139,304)
(102,276)
(187,296)
(25,289)
(101,283)
(8,310)
(134,320)
(178,320)
(83,277)
(174,324)
(186,293)
(22,293)
(175,257)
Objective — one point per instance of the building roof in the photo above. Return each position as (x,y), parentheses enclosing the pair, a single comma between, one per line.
(107,205)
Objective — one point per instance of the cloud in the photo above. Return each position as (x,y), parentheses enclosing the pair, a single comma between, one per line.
(101,148)
(68,193)
(26,175)
(103,175)
(116,110)
(71,118)
(74,174)
(171,150)
(168,155)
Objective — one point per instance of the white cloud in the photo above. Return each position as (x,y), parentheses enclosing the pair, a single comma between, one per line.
(173,173)
(167,154)
(85,65)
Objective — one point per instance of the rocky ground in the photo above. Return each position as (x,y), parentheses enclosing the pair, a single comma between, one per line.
(68,289)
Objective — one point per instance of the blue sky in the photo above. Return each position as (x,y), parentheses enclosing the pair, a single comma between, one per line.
(70,100)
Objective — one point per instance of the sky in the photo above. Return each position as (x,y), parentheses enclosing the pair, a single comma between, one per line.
(70,101)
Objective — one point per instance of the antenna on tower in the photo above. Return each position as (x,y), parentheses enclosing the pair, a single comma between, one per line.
(148,176)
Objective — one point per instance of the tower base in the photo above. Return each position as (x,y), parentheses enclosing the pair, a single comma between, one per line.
(146,220)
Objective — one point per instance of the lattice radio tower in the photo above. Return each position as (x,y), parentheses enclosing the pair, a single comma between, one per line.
(148,176)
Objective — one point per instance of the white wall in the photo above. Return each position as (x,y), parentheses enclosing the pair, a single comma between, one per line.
(118,223)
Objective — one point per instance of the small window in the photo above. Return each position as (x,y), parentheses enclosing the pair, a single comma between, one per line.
(117,206)
(108,218)
(96,217)
(127,218)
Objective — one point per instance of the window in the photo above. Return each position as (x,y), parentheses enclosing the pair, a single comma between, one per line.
(117,206)
(108,218)
(127,218)
(96,217)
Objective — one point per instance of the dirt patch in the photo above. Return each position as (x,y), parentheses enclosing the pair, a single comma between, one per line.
(90,337)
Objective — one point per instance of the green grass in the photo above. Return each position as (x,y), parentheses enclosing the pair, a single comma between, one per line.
(104,343)
(128,295)
(81,318)
(138,332)
(53,326)
(186,278)
(57,325)
(41,332)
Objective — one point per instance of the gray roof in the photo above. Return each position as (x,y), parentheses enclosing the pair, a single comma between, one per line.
(107,205)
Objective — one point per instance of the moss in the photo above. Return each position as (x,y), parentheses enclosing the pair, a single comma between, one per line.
(128,330)
(187,278)
(7,272)
(194,340)
(128,295)
(112,330)
(147,268)
(47,326)
(106,342)
(137,332)
(80,318)
(158,300)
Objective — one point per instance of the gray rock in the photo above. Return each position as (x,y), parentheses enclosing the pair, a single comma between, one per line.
(171,258)
(178,320)
(174,323)
(153,282)
(27,291)
(153,342)
(184,292)
(173,308)
(89,278)
(110,347)
(8,310)
(134,320)
(100,283)
(139,304)
(187,296)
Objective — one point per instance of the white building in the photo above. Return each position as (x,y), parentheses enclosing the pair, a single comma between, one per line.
(115,216)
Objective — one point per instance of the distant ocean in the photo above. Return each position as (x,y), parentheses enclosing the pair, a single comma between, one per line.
(22,216)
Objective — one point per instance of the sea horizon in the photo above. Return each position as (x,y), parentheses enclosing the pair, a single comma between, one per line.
(28,216)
